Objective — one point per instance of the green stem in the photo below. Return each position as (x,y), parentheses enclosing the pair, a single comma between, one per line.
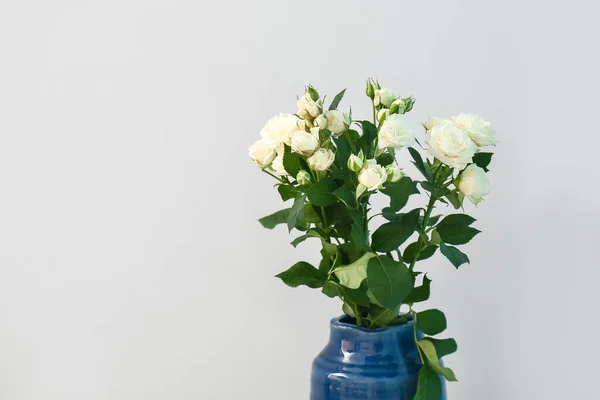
(421,242)
(414,314)
(274,176)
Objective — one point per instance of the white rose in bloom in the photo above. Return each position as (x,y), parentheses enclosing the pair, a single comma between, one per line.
(474,183)
(385,97)
(280,129)
(307,107)
(277,164)
(371,177)
(337,122)
(321,160)
(480,131)
(304,142)
(433,121)
(395,132)
(394,172)
(262,153)
(321,121)
(451,145)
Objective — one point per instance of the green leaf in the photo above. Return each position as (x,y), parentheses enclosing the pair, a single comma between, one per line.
(296,213)
(390,214)
(385,159)
(326,262)
(302,273)
(333,289)
(277,218)
(483,160)
(336,100)
(390,236)
(390,281)
(348,309)
(432,358)
(342,153)
(431,322)
(455,199)
(426,252)
(381,316)
(286,192)
(456,234)
(436,191)
(457,219)
(351,276)
(456,257)
(330,248)
(347,197)
(433,220)
(321,193)
(399,192)
(418,162)
(429,386)
(292,162)
(365,142)
(310,215)
(357,296)
(359,236)
(443,347)
(311,233)
(420,293)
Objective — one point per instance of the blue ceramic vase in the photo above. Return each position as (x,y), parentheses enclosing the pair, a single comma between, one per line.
(367,364)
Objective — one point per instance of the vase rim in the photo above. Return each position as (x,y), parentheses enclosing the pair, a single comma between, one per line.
(338,323)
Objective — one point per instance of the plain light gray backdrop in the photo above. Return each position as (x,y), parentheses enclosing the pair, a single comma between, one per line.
(131,263)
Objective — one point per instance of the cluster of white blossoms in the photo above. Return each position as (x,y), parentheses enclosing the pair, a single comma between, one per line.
(300,131)
(309,132)
(455,142)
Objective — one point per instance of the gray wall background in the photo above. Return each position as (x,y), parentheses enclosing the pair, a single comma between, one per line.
(131,262)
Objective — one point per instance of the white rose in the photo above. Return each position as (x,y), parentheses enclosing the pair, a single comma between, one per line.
(262,153)
(433,121)
(395,132)
(307,107)
(480,131)
(394,172)
(321,160)
(280,129)
(304,142)
(451,145)
(337,122)
(321,121)
(474,183)
(277,164)
(371,177)
(385,97)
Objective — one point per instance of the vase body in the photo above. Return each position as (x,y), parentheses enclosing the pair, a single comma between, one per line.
(367,364)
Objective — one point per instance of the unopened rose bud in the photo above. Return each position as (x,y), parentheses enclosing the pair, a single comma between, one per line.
(314,95)
(355,163)
(303,177)
(394,173)
(398,106)
(370,90)
(321,121)
(382,115)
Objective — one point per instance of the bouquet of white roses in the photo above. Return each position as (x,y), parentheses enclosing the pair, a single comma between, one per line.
(330,171)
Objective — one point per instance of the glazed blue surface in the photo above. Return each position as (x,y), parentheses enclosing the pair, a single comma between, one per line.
(367,364)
